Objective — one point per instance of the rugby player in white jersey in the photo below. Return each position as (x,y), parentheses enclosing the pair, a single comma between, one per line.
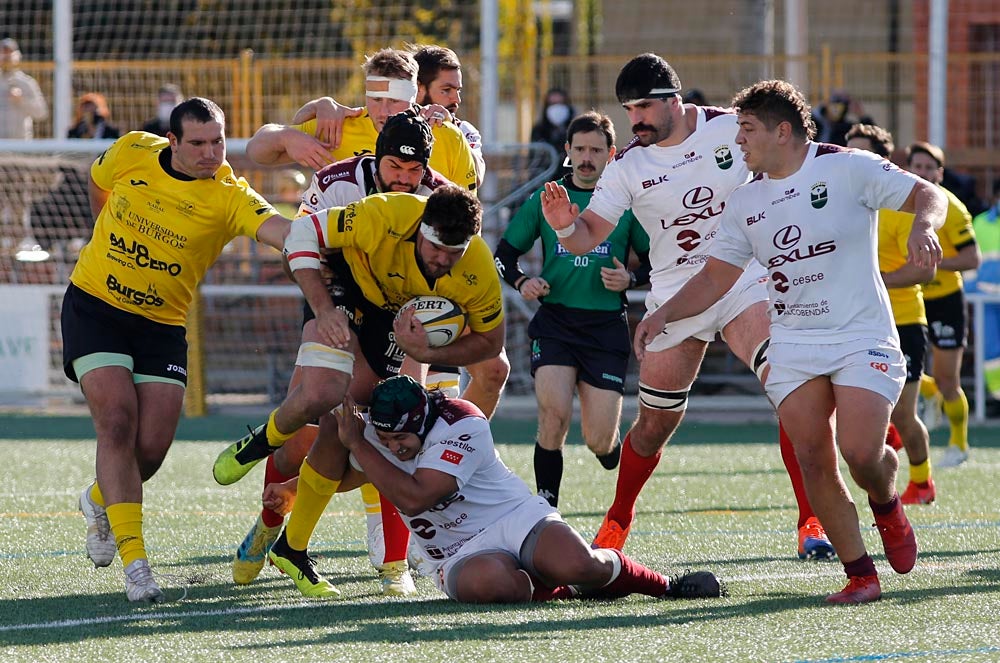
(484,537)
(809,217)
(675,176)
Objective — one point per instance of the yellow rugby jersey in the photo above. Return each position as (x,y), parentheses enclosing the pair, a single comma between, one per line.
(893,231)
(158,234)
(451,157)
(954,234)
(378,237)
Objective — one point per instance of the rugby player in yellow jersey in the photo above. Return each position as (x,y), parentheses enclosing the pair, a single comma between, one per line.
(946,310)
(902,280)
(397,246)
(165,208)
(390,87)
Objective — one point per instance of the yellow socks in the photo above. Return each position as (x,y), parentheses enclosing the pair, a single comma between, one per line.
(95,495)
(276,438)
(928,387)
(371,499)
(957,412)
(315,491)
(921,473)
(126,525)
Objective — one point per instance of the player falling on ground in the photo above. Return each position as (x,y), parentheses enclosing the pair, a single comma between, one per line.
(484,537)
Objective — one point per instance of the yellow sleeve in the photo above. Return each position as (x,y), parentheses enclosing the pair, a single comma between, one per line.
(452,156)
(103,168)
(248,210)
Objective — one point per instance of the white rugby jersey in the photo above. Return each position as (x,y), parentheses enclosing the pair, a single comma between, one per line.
(349,180)
(475,141)
(677,193)
(816,234)
(460,444)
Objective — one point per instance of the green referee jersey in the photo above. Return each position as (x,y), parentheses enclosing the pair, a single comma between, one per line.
(575,281)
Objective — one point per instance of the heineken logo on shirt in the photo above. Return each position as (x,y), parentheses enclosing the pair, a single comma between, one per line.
(817,195)
(723,157)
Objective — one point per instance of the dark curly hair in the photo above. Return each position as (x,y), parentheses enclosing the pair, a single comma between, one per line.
(455,213)
(774,102)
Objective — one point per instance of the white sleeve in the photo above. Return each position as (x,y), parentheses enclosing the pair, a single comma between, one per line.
(305,238)
(879,182)
(611,196)
(731,243)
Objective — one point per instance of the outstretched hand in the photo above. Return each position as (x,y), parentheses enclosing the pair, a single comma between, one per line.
(559,211)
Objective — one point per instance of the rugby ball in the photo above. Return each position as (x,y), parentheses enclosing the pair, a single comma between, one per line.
(443,319)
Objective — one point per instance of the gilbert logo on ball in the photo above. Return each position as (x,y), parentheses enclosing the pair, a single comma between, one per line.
(443,320)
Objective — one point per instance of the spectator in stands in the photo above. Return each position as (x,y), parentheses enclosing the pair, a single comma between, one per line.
(946,311)
(21,103)
(554,121)
(92,119)
(695,96)
(167,98)
(836,117)
(21,100)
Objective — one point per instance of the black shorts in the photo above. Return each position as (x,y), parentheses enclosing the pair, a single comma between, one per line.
(596,343)
(946,321)
(913,343)
(90,325)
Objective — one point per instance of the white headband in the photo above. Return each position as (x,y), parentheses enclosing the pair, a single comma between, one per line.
(400,89)
(430,234)
(656,93)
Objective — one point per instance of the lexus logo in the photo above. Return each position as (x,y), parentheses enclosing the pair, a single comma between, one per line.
(787,237)
(697,197)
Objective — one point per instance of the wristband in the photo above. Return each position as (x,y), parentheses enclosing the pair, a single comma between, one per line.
(631,279)
(563,233)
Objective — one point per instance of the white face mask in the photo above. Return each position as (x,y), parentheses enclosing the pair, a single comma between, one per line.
(163,111)
(557,114)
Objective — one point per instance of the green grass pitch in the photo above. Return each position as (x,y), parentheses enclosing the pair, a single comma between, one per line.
(723,504)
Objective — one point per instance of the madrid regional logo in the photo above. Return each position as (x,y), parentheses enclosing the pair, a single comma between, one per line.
(723,157)
(817,195)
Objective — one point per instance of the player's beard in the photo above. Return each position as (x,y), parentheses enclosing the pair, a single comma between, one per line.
(387,187)
(656,134)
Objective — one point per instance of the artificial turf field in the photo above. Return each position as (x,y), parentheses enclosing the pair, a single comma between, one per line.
(719,500)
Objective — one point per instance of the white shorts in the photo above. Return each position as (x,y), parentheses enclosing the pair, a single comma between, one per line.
(504,536)
(747,291)
(875,365)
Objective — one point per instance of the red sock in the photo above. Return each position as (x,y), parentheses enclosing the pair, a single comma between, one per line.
(634,579)
(633,473)
(795,474)
(272,475)
(397,537)
(893,438)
